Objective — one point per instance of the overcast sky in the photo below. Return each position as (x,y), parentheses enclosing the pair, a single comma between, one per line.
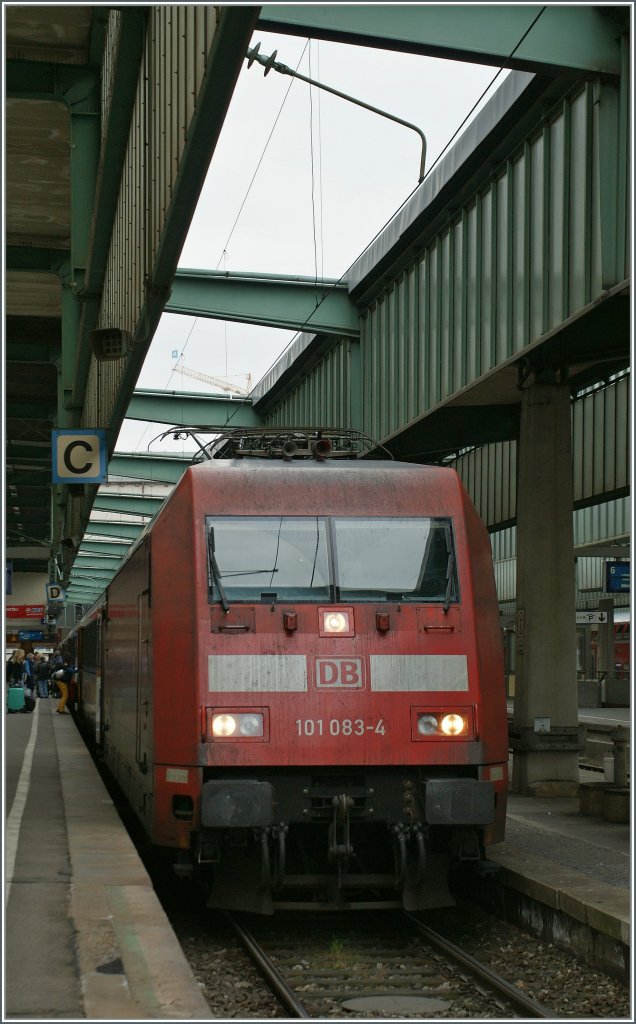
(331,175)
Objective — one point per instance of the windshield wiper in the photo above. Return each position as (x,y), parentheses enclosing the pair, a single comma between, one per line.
(216,575)
(250,572)
(449,569)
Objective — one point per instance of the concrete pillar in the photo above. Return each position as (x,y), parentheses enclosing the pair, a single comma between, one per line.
(587,654)
(606,644)
(545,725)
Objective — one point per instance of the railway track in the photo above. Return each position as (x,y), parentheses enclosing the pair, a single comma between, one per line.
(392,965)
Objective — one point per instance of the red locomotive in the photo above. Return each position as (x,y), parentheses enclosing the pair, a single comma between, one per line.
(297,678)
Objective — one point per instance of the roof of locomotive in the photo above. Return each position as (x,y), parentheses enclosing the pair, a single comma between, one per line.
(255,464)
(375,484)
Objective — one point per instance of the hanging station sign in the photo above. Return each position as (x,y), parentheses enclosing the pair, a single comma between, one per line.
(24,611)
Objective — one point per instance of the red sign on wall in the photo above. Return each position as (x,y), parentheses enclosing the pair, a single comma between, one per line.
(24,611)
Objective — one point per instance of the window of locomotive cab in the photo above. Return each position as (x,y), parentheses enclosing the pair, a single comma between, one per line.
(314,559)
(403,559)
(260,558)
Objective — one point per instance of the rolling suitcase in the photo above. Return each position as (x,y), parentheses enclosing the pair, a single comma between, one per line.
(15,698)
(29,703)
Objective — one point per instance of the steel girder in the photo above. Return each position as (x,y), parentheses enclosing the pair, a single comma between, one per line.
(104,549)
(83,593)
(124,531)
(160,468)
(560,38)
(128,504)
(270,300)
(184,409)
(99,570)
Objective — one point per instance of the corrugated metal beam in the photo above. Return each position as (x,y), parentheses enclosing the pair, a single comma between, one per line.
(181,408)
(123,85)
(102,566)
(164,469)
(561,38)
(79,592)
(449,428)
(608,523)
(110,549)
(600,461)
(605,550)
(127,504)
(129,531)
(224,64)
(93,570)
(270,300)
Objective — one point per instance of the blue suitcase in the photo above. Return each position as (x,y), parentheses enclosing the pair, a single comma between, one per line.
(15,698)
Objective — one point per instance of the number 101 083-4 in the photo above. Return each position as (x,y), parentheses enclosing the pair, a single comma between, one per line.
(338,727)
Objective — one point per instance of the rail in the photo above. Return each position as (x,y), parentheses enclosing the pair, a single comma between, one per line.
(529,1007)
(268,971)
(498,987)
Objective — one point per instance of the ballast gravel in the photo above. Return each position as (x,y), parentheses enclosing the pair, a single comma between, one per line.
(235,990)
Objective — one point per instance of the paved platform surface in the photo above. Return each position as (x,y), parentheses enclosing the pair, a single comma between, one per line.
(86,937)
(603,717)
(569,862)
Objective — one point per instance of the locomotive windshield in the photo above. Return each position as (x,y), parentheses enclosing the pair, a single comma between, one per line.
(328,559)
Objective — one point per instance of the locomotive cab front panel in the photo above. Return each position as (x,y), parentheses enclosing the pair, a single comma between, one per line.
(340,720)
(325,719)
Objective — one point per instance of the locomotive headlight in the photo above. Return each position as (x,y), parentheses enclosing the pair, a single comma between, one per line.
(336,621)
(237,725)
(250,725)
(427,725)
(442,724)
(223,725)
(453,725)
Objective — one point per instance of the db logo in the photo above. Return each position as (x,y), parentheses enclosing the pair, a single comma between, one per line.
(339,672)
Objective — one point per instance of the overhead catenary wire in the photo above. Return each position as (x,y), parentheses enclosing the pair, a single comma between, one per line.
(313,178)
(321,193)
(262,156)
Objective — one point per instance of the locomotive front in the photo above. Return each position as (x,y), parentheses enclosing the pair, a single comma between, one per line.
(350,687)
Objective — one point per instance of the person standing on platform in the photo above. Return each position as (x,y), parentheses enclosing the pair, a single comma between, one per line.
(42,673)
(29,673)
(16,672)
(63,677)
(56,663)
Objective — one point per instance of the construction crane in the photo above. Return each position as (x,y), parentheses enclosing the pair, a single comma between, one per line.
(218,381)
